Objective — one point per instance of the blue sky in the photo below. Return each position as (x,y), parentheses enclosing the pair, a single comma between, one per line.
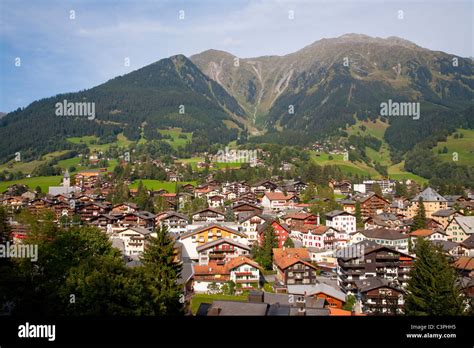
(59,54)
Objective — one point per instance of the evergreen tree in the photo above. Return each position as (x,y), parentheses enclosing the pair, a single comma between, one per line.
(358,215)
(163,271)
(432,288)
(419,221)
(269,242)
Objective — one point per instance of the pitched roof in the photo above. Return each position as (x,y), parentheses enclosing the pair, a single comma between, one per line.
(334,213)
(207,227)
(209,209)
(469,242)
(278,196)
(422,233)
(383,233)
(287,257)
(429,195)
(465,263)
(298,216)
(314,289)
(444,212)
(466,223)
(220,241)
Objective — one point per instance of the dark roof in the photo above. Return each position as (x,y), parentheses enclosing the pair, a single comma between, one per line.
(337,212)
(444,212)
(238,308)
(383,233)
(469,242)
(447,245)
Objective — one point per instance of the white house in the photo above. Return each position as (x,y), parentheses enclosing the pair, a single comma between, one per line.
(134,240)
(341,220)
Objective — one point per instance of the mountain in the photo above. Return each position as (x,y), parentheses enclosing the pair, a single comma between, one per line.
(293,99)
(149,98)
(332,80)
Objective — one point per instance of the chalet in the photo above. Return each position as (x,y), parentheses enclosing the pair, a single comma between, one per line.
(381,297)
(293,186)
(373,204)
(341,220)
(292,266)
(125,207)
(106,222)
(432,202)
(263,186)
(280,230)
(175,222)
(142,219)
(278,200)
(221,249)
(87,179)
(384,220)
(244,272)
(39,204)
(341,187)
(368,259)
(90,209)
(134,239)
(322,237)
(202,191)
(247,208)
(300,219)
(348,205)
(208,215)
(174,176)
(460,228)
(215,201)
(193,239)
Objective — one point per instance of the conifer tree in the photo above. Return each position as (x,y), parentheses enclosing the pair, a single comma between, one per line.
(432,288)
(358,215)
(419,221)
(163,271)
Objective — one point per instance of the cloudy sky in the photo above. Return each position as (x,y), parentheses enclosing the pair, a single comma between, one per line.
(59,53)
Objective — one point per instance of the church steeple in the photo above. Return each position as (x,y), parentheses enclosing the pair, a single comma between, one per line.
(66,179)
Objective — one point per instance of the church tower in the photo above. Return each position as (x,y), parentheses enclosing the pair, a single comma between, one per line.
(66,179)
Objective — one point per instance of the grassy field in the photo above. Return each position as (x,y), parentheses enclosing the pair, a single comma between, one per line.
(158,185)
(359,168)
(28,167)
(175,133)
(396,172)
(90,141)
(224,165)
(463,146)
(205,298)
(42,181)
